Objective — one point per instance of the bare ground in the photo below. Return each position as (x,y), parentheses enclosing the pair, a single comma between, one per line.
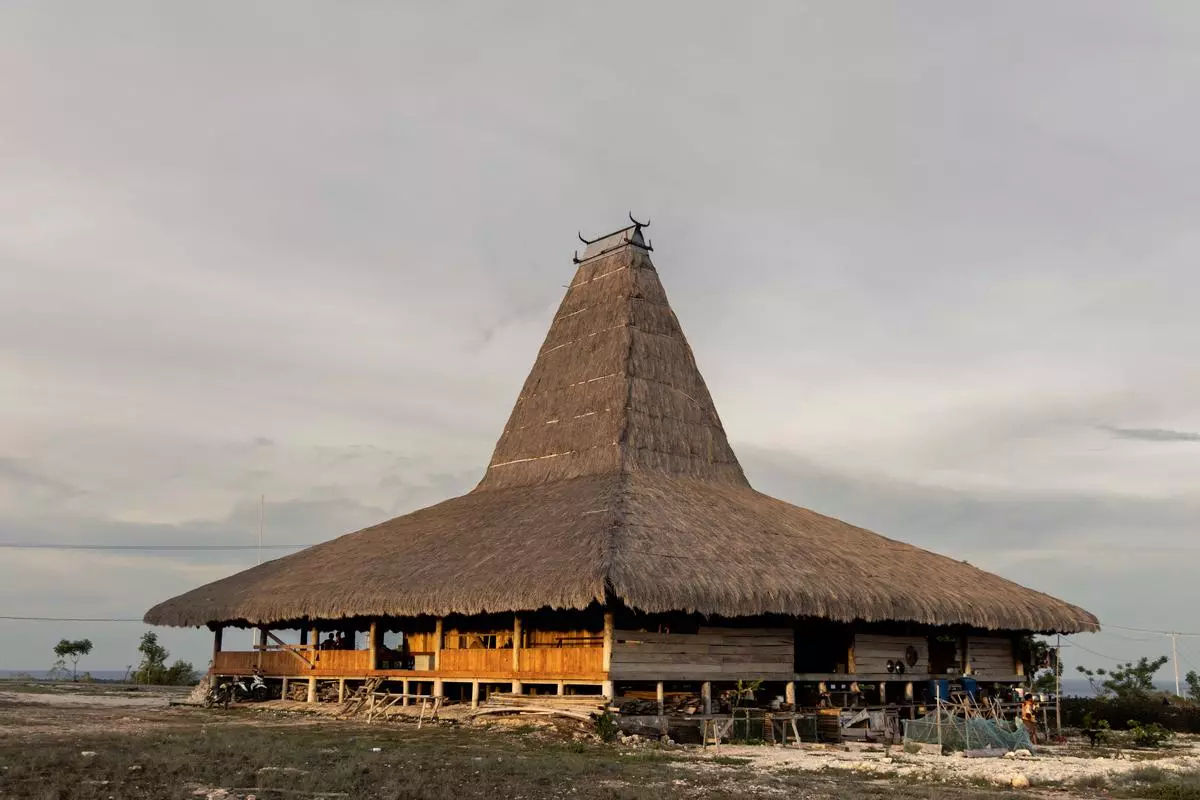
(78,749)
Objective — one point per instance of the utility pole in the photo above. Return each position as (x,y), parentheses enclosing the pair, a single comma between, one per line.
(1058,685)
(1175,663)
(258,638)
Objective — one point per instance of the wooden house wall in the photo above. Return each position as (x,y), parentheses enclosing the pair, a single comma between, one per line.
(990,656)
(710,654)
(872,651)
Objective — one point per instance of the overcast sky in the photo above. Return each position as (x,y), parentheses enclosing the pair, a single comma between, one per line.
(938,262)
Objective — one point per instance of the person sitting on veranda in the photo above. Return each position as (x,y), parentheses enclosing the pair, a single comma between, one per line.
(341,642)
(329,643)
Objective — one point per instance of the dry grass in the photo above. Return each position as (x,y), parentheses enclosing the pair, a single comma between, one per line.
(196,751)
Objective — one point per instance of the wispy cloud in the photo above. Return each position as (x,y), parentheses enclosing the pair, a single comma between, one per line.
(1153,434)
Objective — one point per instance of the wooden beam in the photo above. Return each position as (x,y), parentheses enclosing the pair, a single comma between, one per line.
(437,646)
(516,643)
(789,693)
(312,689)
(474,694)
(373,644)
(883,693)
(518,687)
(706,697)
(660,695)
(437,687)
(283,692)
(404,688)
(314,641)
(562,687)
(284,646)
(341,690)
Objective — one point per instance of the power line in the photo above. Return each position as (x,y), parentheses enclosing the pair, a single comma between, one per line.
(70,619)
(1073,643)
(170,547)
(1146,630)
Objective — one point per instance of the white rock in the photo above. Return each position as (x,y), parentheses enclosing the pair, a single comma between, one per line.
(1022,753)
(88,753)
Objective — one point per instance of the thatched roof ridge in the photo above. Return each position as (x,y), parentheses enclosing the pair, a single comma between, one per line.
(614,480)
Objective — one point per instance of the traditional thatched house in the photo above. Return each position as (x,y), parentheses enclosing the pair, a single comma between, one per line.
(615,540)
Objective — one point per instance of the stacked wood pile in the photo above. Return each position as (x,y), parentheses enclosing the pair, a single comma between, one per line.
(646,703)
(327,691)
(575,706)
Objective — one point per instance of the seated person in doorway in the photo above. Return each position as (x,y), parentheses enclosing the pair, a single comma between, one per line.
(329,643)
(341,642)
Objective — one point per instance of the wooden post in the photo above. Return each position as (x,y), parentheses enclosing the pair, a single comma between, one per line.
(437,644)
(883,693)
(474,694)
(404,688)
(706,697)
(607,687)
(341,690)
(562,687)
(218,634)
(303,636)
(312,689)
(661,695)
(908,691)
(283,691)
(437,687)
(789,694)
(373,644)
(314,642)
(517,687)
(608,641)
(516,644)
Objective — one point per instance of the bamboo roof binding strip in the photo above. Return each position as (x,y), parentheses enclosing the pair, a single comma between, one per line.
(614,480)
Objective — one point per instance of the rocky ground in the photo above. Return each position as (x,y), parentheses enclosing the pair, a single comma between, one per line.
(113,745)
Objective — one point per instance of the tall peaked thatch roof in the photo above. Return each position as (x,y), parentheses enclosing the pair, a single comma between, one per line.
(614,480)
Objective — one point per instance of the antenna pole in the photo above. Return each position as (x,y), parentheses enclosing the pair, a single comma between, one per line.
(262,501)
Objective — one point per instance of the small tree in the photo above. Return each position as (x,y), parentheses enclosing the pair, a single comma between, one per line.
(73,650)
(153,668)
(1125,681)
(1193,684)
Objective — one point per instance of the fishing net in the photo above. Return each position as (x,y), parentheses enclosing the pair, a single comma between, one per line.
(970,733)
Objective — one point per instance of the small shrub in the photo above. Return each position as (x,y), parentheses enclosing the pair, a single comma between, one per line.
(912,748)
(606,727)
(1149,735)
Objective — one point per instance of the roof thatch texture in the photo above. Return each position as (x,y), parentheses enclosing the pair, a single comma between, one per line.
(614,479)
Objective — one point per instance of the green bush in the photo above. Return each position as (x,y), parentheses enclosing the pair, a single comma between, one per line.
(1149,735)
(606,727)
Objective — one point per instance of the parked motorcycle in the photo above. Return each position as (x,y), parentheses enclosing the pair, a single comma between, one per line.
(236,690)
